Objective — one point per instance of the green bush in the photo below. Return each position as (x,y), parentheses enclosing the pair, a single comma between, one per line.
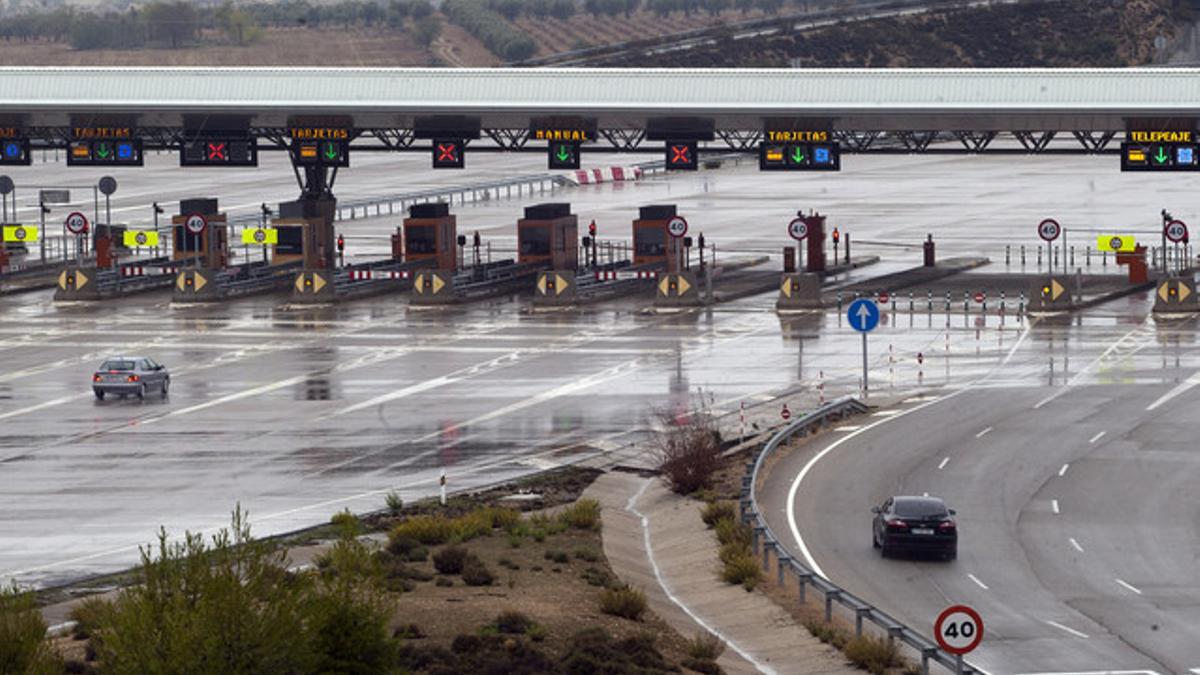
(444,581)
(428,530)
(587,554)
(582,515)
(346,522)
(716,511)
(450,560)
(394,503)
(875,655)
(475,573)
(597,577)
(556,556)
(705,647)
(731,531)
(702,666)
(625,602)
(407,549)
(504,518)
(23,645)
(743,569)
(500,37)
(513,623)
(592,650)
(471,525)
(87,615)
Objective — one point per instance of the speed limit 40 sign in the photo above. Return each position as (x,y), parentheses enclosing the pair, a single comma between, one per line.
(1049,229)
(958,629)
(798,229)
(1176,231)
(677,227)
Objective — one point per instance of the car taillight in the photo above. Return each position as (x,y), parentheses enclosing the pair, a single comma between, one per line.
(897,524)
(96,377)
(946,526)
(132,378)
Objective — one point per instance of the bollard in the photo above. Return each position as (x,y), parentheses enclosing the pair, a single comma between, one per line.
(839,301)
(1039,256)
(1001,302)
(1072,255)
(1021,307)
(1022,255)
(1007,260)
(966,301)
(910,302)
(929,299)
(894,303)
(947,301)
(1087,258)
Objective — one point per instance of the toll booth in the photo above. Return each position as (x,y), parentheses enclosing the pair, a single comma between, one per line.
(549,235)
(650,238)
(815,241)
(305,231)
(430,232)
(211,245)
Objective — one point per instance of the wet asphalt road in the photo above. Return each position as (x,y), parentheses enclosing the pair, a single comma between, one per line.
(299,412)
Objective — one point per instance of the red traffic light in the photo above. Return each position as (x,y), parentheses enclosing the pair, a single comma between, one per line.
(341,243)
(836,235)
(592,228)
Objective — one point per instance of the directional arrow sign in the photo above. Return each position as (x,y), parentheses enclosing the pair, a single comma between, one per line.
(331,151)
(563,154)
(863,315)
(798,155)
(1161,156)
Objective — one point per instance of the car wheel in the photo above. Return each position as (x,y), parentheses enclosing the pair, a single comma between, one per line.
(952,555)
(165,385)
(141,392)
(99,394)
(874,540)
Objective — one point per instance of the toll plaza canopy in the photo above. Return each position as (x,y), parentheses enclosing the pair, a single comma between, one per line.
(1016,101)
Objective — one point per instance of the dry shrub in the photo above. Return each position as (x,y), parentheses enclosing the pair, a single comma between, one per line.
(719,510)
(689,448)
(875,655)
(625,602)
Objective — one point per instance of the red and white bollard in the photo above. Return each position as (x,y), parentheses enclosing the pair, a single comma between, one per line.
(821,386)
(785,413)
(442,484)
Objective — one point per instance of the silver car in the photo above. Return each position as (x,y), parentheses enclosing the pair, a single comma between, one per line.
(124,375)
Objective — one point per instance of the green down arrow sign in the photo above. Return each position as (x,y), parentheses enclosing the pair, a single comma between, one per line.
(797,155)
(563,154)
(331,151)
(1161,157)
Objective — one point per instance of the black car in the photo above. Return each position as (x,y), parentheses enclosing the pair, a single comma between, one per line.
(915,525)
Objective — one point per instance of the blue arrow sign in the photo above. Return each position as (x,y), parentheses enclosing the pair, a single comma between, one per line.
(863,315)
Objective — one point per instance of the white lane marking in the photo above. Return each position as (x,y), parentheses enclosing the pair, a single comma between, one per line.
(1063,471)
(809,560)
(886,413)
(41,406)
(1106,672)
(945,461)
(1068,629)
(1075,544)
(1054,505)
(1194,671)
(1179,389)
(925,494)
(851,427)
(645,522)
(983,433)
(1097,437)
(978,583)
(1147,330)
(1048,399)
(1128,586)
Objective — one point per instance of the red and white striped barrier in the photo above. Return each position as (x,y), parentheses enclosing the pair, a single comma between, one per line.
(609,275)
(133,271)
(610,174)
(363,275)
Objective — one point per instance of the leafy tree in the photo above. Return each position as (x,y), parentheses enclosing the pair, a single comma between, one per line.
(563,9)
(426,30)
(173,22)
(237,25)
(421,9)
(23,645)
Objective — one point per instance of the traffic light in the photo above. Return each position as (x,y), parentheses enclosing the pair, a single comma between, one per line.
(682,156)
(592,229)
(836,235)
(448,154)
(563,155)
(341,244)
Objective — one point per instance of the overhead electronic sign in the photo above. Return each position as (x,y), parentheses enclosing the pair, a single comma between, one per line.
(563,155)
(104,146)
(1160,151)
(798,150)
(316,145)
(212,151)
(14,147)
(448,153)
(682,156)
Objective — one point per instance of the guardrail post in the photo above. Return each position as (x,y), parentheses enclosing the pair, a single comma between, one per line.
(859,613)
(783,559)
(766,553)
(754,534)
(803,579)
(929,652)
(894,632)
(830,596)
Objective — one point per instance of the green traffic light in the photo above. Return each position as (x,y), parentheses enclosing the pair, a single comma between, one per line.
(102,150)
(1161,157)
(564,154)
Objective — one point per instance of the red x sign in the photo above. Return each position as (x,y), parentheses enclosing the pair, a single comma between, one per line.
(680,155)
(216,151)
(447,152)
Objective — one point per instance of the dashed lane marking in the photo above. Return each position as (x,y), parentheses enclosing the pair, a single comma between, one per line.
(1063,471)
(1128,586)
(983,433)
(1075,544)
(978,583)
(1097,437)
(945,461)
(1054,506)
(1072,631)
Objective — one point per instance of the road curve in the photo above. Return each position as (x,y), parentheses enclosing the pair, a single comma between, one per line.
(1078,520)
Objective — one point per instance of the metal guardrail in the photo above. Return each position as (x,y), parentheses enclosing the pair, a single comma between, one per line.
(927,649)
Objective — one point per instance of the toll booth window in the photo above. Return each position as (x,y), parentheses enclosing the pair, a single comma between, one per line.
(534,241)
(651,242)
(420,239)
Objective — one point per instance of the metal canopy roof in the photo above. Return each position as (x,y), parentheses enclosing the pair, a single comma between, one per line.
(856,98)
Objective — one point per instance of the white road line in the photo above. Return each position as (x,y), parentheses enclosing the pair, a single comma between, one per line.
(1054,505)
(851,427)
(1128,586)
(945,461)
(1063,471)
(886,413)
(978,583)
(631,507)
(1075,544)
(1072,631)
(1179,389)
(1105,672)
(1048,399)
(983,433)
(1097,437)
(1194,671)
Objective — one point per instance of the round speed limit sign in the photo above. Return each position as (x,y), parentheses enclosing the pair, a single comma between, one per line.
(798,229)
(677,227)
(76,223)
(1049,229)
(958,629)
(260,235)
(195,223)
(1176,231)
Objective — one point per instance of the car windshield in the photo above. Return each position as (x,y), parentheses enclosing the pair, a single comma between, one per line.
(117,365)
(920,508)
